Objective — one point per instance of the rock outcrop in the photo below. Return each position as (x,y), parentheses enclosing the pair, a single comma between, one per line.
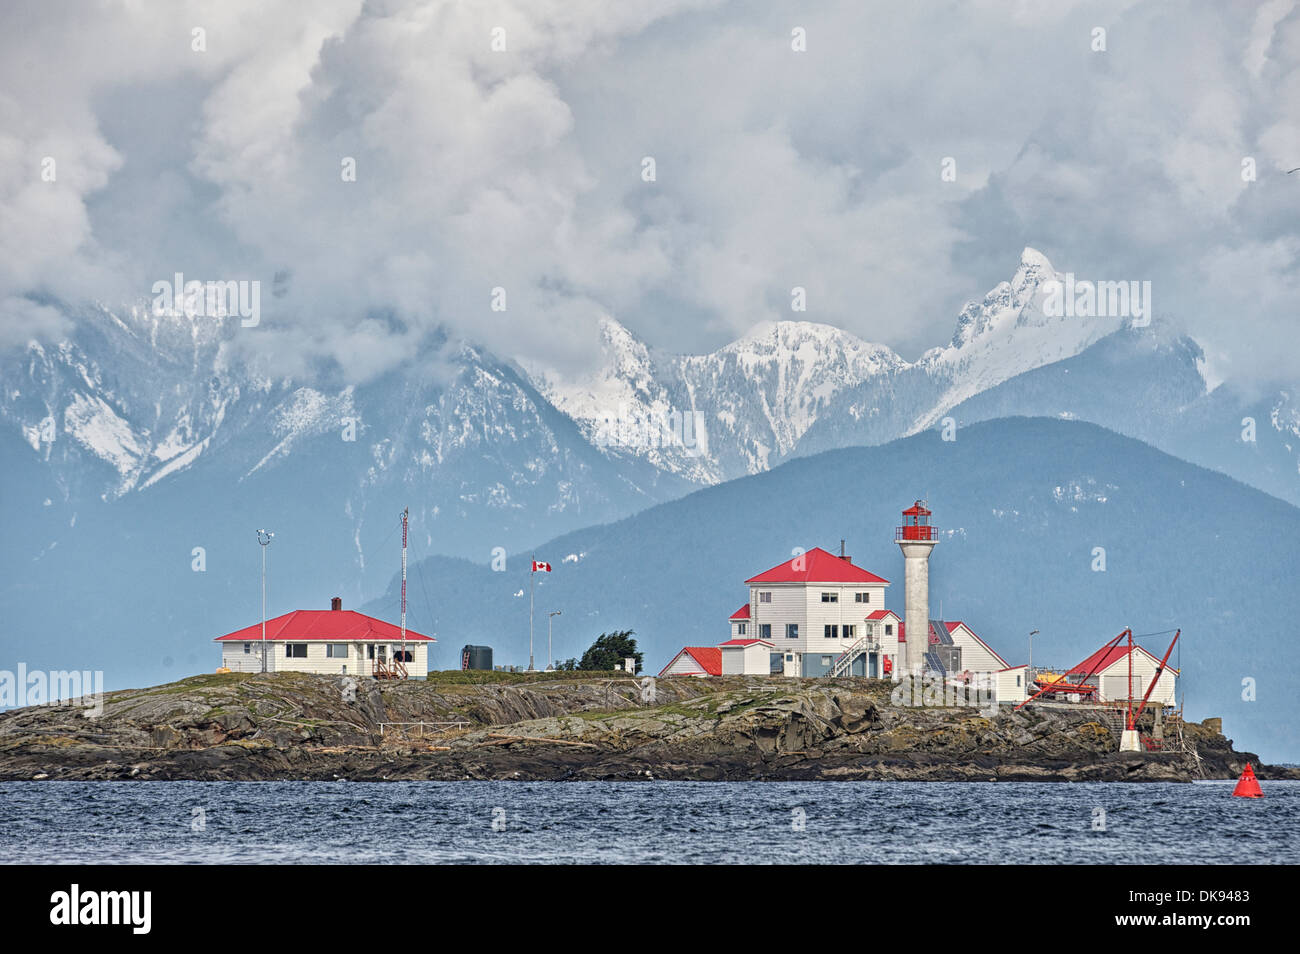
(579,726)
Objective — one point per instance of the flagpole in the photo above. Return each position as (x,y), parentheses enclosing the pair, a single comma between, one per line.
(532,569)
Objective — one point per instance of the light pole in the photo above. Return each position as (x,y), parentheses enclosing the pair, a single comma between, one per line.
(264,537)
(1031,651)
(550,618)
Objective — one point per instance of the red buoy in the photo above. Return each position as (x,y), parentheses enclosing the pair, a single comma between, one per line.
(1248,785)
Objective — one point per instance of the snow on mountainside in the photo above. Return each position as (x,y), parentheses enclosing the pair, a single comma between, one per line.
(1006,335)
(132,398)
(137,404)
(715,416)
(134,401)
(792,369)
(760,395)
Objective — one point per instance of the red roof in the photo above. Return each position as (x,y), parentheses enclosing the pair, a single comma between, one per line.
(325,625)
(708,658)
(881,614)
(744,642)
(916,510)
(742,613)
(817,566)
(1104,659)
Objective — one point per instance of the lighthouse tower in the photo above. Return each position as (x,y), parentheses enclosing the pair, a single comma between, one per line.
(916,538)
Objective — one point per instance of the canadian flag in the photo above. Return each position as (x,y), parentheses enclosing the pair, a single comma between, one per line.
(540,567)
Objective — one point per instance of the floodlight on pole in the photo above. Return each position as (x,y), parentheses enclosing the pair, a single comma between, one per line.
(264,537)
(1030,667)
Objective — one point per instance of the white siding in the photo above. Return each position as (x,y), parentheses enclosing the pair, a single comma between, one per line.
(801,603)
(973,655)
(684,665)
(1114,681)
(1013,685)
(357,663)
(752,660)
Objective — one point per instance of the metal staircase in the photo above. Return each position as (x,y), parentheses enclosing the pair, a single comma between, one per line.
(845,660)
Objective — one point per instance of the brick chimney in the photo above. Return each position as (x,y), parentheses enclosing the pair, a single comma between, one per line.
(336,603)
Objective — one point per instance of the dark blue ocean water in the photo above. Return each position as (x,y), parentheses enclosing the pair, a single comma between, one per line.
(674,822)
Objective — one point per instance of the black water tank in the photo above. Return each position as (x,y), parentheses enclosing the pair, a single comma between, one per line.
(476,657)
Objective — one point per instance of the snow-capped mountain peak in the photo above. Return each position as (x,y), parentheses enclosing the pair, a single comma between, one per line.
(1008,334)
(749,402)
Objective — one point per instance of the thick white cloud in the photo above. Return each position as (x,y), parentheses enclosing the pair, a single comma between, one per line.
(522,169)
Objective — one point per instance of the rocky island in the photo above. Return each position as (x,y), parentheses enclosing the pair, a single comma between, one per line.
(579,726)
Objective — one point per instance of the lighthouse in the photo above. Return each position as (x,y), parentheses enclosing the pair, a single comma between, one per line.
(916,538)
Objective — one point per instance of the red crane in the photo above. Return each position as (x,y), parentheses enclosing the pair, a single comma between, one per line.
(1062,685)
(1131,717)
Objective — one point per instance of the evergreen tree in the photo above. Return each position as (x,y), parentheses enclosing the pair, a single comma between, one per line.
(609,650)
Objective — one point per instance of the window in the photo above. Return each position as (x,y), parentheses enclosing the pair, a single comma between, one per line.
(792,630)
(295,650)
(370,650)
(889,629)
(336,650)
(764,596)
(827,660)
(740,629)
(789,657)
(1017,681)
(832,632)
(850,632)
(248,647)
(764,630)
(407,655)
(830,597)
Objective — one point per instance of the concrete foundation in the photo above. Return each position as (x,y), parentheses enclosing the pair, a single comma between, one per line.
(1128,741)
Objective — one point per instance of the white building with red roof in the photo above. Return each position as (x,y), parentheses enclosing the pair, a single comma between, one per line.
(812,610)
(327,642)
(695,661)
(747,656)
(819,614)
(1110,673)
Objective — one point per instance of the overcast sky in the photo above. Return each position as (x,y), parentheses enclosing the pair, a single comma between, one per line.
(522,168)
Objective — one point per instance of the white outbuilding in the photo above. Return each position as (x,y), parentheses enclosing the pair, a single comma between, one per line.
(1111,675)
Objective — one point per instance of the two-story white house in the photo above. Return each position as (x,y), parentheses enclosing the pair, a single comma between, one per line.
(818,614)
(812,609)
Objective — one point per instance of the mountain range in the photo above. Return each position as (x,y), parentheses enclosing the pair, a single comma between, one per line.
(142,451)
(498,452)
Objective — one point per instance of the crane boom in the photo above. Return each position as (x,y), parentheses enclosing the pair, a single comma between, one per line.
(1156,678)
(1053,686)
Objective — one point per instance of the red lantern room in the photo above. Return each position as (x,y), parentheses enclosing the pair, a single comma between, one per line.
(916,524)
